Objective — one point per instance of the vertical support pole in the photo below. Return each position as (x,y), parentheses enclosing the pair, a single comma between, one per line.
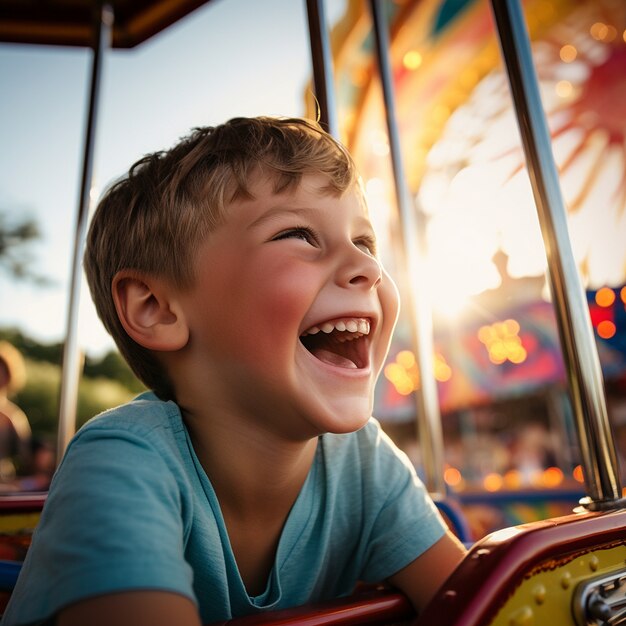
(321,56)
(72,358)
(580,353)
(427,400)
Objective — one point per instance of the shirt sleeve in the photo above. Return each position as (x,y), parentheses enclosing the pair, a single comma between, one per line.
(405,521)
(112,522)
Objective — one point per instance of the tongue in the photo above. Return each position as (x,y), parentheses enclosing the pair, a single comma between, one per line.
(332,358)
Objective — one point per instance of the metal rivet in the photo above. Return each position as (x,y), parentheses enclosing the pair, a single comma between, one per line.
(481,553)
(522,617)
(539,593)
(594,563)
(566,580)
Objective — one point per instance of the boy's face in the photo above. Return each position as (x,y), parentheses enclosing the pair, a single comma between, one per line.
(291,314)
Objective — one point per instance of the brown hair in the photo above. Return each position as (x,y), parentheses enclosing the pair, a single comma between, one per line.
(154,219)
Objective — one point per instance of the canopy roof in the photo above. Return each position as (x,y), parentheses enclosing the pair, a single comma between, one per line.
(70,22)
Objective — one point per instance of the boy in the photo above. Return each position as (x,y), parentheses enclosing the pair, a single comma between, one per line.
(238,274)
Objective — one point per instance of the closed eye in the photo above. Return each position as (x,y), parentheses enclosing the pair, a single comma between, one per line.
(366,244)
(301,232)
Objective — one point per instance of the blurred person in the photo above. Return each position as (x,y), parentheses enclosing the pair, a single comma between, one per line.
(532,451)
(15,431)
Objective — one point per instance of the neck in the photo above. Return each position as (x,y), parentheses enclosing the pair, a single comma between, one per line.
(253,471)
(257,477)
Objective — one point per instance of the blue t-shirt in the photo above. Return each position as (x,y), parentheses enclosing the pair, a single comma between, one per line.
(130,507)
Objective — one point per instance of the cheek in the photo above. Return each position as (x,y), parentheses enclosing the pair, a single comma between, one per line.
(265,310)
(282,295)
(389,300)
(390,305)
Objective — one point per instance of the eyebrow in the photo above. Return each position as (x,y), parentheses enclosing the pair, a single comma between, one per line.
(276,212)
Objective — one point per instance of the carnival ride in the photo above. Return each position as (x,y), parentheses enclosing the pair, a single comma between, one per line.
(566,569)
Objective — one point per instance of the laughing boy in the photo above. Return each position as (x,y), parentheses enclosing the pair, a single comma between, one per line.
(238,274)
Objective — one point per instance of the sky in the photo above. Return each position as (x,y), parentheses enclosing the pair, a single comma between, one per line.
(228,58)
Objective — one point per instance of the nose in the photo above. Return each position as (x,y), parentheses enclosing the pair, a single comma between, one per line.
(359,269)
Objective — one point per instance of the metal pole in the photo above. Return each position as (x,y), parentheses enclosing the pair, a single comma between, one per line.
(321,56)
(427,400)
(72,358)
(599,460)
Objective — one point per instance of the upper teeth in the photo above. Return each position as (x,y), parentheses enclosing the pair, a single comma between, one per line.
(352,325)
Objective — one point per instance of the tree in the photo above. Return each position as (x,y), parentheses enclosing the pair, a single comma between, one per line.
(15,239)
(32,349)
(113,367)
(106,382)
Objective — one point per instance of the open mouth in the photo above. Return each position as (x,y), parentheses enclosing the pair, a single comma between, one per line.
(342,342)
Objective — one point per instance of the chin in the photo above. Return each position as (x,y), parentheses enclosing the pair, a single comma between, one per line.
(345,419)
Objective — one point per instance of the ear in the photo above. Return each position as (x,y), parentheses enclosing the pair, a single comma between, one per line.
(149,312)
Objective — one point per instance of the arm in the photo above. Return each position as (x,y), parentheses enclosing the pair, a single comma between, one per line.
(136,608)
(421,579)
(112,525)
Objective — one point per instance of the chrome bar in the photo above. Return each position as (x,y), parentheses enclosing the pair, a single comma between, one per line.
(72,358)
(580,353)
(427,399)
(322,58)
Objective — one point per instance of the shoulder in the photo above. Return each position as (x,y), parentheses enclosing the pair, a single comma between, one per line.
(128,454)
(143,439)
(142,415)
(145,420)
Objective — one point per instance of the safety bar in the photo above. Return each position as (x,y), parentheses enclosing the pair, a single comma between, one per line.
(413,261)
(427,401)
(322,59)
(72,359)
(580,352)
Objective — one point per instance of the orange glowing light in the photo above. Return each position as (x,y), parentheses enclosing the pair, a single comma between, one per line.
(564,89)
(518,355)
(493,482)
(497,353)
(552,477)
(599,31)
(611,33)
(605,297)
(622,294)
(406,359)
(511,327)
(513,479)
(485,334)
(568,53)
(412,60)
(403,373)
(606,329)
(443,371)
(503,342)
(399,378)
(578,474)
(452,476)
